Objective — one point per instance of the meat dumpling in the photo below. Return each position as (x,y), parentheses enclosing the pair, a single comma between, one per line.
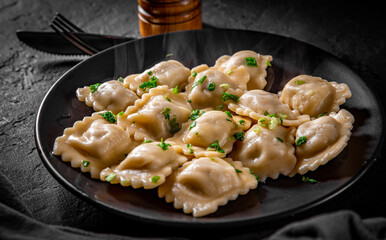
(203,184)
(321,140)
(314,95)
(109,96)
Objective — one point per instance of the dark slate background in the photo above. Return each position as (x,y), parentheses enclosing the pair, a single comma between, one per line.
(352,31)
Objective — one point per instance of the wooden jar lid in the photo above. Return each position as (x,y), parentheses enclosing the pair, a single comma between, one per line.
(159,16)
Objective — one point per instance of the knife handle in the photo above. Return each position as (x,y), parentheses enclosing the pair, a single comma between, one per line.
(160,16)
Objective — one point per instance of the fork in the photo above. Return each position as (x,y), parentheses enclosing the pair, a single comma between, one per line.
(66,28)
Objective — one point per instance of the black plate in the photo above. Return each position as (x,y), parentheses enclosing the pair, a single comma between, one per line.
(272,200)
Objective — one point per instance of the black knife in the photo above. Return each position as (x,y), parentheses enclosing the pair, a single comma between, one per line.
(51,42)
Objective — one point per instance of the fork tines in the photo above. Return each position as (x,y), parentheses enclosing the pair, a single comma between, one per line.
(65,28)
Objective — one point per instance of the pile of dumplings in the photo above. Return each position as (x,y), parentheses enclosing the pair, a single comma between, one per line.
(206,135)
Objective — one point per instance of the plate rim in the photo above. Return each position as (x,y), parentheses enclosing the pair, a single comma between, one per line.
(204,224)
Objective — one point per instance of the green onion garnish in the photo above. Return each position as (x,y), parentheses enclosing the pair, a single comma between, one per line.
(155,179)
(307,179)
(166,112)
(216,147)
(301,140)
(228,96)
(200,81)
(152,83)
(163,145)
(211,86)
(94,87)
(85,163)
(251,61)
(281,140)
(299,82)
(109,116)
(239,136)
(110,177)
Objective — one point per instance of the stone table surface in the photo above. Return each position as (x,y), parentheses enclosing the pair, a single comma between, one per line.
(352,31)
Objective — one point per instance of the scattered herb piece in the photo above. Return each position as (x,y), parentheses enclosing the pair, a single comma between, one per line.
(299,82)
(228,120)
(301,140)
(109,116)
(229,71)
(120,79)
(167,99)
(190,148)
(166,112)
(251,61)
(241,122)
(216,147)
(220,107)
(228,96)
(239,136)
(282,115)
(189,101)
(263,122)
(211,86)
(149,72)
(174,126)
(169,55)
(155,179)
(147,141)
(266,113)
(228,113)
(152,83)
(94,87)
(110,177)
(255,175)
(85,163)
(175,90)
(281,140)
(273,123)
(121,113)
(200,81)
(237,170)
(194,73)
(224,85)
(269,64)
(163,145)
(309,180)
(322,114)
(257,130)
(196,114)
(192,125)
(196,133)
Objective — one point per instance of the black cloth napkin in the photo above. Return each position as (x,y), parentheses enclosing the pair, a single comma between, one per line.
(17,222)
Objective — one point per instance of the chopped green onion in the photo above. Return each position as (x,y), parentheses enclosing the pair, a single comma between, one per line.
(219,107)
(224,85)
(169,55)
(175,90)
(257,130)
(229,71)
(155,179)
(282,115)
(152,83)
(211,86)
(241,122)
(239,136)
(194,73)
(166,112)
(147,141)
(149,72)
(189,101)
(255,175)
(85,163)
(269,64)
(190,148)
(273,123)
(110,177)
(120,79)
(228,113)
(237,170)
(301,140)
(281,140)
(263,122)
(216,147)
(322,114)
(299,82)
(174,126)
(228,96)
(192,125)
(196,114)
(121,113)
(167,99)
(200,81)
(109,116)
(94,87)
(307,179)
(251,61)
(266,113)
(163,145)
